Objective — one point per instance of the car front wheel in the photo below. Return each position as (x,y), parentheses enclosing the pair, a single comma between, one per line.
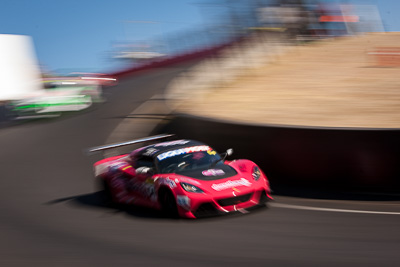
(168,204)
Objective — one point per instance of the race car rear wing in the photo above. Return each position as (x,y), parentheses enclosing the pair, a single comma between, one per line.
(136,141)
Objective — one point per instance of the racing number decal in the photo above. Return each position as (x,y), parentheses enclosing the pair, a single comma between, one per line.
(145,189)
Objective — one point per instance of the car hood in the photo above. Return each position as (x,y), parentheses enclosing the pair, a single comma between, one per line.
(221,171)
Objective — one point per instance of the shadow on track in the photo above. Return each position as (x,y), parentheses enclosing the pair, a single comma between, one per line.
(96,200)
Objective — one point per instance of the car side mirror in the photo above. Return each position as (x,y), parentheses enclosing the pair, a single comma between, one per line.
(145,170)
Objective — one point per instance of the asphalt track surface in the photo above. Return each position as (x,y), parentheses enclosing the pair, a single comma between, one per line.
(51,215)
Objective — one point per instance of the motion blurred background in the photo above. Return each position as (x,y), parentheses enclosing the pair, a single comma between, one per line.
(306,89)
(87,38)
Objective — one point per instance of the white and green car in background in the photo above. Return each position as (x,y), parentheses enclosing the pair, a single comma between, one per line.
(62,94)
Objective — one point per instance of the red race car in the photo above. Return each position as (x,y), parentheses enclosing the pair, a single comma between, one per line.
(183,178)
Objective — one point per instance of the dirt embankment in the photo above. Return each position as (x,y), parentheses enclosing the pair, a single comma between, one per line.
(332,83)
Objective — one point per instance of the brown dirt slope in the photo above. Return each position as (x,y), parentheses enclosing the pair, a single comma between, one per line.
(330,83)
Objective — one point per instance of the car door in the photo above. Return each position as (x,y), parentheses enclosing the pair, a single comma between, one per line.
(141,185)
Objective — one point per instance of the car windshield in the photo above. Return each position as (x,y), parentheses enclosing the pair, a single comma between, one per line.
(187,161)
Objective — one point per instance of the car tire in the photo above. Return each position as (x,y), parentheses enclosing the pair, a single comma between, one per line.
(168,204)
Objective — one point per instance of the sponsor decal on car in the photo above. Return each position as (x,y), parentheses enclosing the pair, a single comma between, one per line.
(118,164)
(172,143)
(150,152)
(183,201)
(213,172)
(115,167)
(181,151)
(230,184)
(211,152)
(127,167)
(167,182)
(145,189)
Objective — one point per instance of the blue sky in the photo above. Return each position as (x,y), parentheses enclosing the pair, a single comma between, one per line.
(389,11)
(78,33)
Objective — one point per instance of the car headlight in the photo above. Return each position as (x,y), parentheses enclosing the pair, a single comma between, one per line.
(191,188)
(256,173)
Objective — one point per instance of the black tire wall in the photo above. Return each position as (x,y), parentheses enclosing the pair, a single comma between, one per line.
(345,158)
